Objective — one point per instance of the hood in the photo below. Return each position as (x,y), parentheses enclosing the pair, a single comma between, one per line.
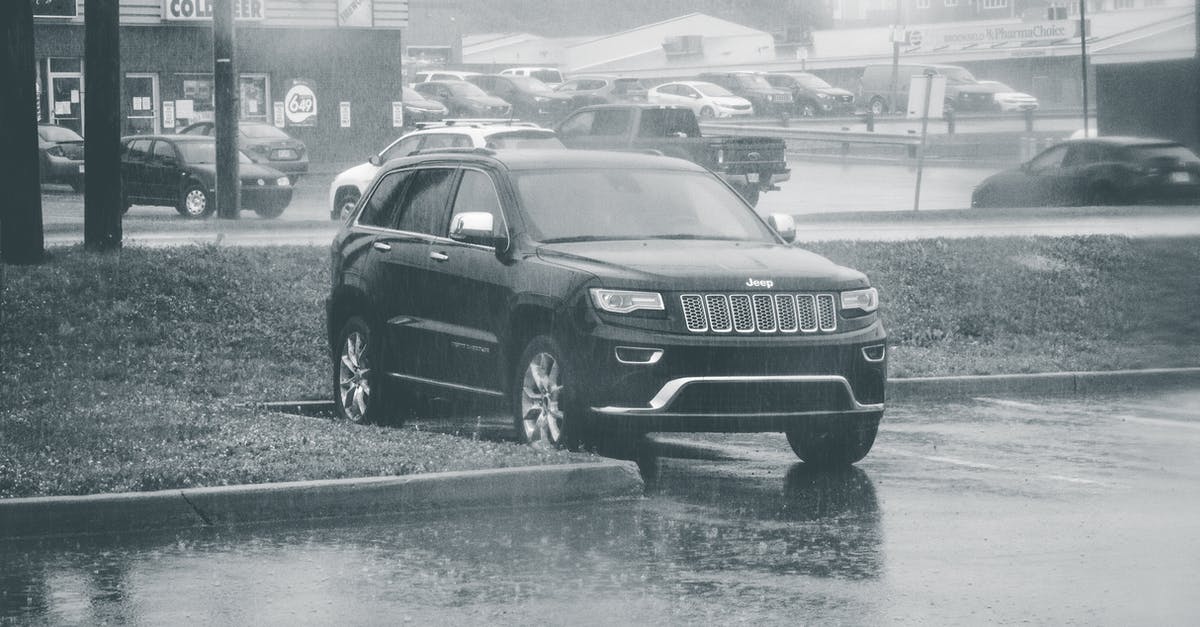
(1014,95)
(482,101)
(360,175)
(702,265)
(425,105)
(245,170)
(731,101)
(835,91)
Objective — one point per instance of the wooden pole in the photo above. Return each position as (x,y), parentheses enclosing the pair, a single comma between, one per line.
(225,87)
(1083,60)
(21,237)
(102,202)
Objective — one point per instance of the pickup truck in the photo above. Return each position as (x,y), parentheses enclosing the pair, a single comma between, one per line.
(749,164)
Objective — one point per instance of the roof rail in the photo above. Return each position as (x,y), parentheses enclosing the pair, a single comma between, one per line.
(473,122)
(478,150)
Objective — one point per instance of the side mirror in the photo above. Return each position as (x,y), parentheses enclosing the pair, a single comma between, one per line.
(784,225)
(475,227)
(375,161)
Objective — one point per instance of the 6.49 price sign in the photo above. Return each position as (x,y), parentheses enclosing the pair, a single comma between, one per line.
(183,10)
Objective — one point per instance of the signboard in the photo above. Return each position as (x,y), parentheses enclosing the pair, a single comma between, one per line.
(55,8)
(300,104)
(198,10)
(168,108)
(397,114)
(916,96)
(985,34)
(344,114)
(356,13)
(277,110)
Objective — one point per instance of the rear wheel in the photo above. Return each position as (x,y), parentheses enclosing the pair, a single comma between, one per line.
(543,397)
(361,393)
(830,443)
(878,106)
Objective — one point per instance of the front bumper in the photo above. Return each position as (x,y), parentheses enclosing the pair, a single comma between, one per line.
(62,169)
(730,383)
(265,197)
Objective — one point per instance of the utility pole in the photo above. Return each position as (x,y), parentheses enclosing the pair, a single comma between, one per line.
(102,203)
(929,74)
(896,34)
(1083,60)
(225,86)
(22,240)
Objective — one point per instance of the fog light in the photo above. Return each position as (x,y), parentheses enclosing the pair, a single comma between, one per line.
(874,354)
(639,356)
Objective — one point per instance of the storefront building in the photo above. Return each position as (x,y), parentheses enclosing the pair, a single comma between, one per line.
(327,72)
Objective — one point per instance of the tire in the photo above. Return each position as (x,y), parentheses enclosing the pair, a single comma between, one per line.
(749,192)
(195,202)
(544,409)
(707,112)
(343,205)
(807,110)
(270,212)
(361,393)
(834,443)
(878,106)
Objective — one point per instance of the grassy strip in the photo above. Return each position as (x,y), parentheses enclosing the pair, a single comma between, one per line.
(993,214)
(131,371)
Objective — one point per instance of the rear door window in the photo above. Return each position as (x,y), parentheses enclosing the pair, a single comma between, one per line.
(612,122)
(668,123)
(446,140)
(426,201)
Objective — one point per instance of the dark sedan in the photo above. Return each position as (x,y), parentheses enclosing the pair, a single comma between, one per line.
(1097,171)
(180,171)
(530,98)
(464,100)
(418,108)
(61,153)
(264,144)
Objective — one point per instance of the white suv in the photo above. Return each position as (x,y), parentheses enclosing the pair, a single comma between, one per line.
(349,186)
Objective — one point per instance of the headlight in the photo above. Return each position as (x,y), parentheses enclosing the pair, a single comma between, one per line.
(623,301)
(824,96)
(863,300)
(283,181)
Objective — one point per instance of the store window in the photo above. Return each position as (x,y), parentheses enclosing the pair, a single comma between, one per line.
(255,97)
(995,4)
(195,103)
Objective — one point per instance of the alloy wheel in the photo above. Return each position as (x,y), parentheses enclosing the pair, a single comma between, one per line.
(354,384)
(541,415)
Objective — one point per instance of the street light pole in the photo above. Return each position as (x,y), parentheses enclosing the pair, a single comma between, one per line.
(1083,60)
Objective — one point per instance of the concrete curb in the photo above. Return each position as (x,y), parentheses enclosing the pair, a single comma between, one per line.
(1041,384)
(195,507)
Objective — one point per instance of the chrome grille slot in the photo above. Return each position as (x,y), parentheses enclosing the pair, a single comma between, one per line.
(759,313)
(693,313)
(718,313)
(743,315)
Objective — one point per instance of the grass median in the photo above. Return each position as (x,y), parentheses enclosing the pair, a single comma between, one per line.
(135,370)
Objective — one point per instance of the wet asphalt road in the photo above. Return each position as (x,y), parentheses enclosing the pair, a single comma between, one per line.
(1052,511)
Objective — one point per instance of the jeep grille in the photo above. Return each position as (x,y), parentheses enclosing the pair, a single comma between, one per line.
(759,313)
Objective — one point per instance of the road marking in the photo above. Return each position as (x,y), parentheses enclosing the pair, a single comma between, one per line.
(981,466)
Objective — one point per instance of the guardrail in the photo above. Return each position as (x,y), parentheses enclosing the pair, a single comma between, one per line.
(800,134)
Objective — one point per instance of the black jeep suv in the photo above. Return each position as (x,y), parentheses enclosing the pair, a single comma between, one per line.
(599,295)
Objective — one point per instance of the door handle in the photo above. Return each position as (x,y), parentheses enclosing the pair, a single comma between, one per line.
(437,256)
(381,246)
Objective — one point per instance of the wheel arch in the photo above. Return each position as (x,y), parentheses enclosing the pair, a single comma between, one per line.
(346,301)
(527,321)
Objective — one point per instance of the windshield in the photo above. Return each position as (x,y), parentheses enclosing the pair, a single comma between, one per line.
(1174,152)
(531,84)
(958,76)
(524,139)
(262,131)
(709,89)
(812,82)
(58,134)
(466,89)
(753,80)
(627,204)
(204,152)
(548,76)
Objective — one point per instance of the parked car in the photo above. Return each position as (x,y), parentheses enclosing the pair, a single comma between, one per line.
(425,76)
(531,99)
(548,75)
(706,100)
(264,144)
(418,108)
(349,186)
(464,100)
(596,296)
(61,153)
(963,91)
(750,164)
(1099,171)
(753,86)
(602,89)
(180,171)
(1005,98)
(812,95)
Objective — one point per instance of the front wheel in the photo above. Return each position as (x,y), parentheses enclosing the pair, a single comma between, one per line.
(344,205)
(270,211)
(707,112)
(544,411)
(195,202)
(836,442)
(807,110)
(878,107)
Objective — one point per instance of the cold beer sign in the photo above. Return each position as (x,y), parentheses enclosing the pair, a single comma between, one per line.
(185,10)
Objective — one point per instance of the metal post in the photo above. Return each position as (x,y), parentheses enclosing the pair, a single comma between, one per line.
(21,237)
(924,131)
(1083,60)
(225,93)
(102,202)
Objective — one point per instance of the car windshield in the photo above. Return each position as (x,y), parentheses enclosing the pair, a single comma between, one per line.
(528,83)
(812,82)
(754,81)
(564,205)
(547,76)
(262,131)
(58,134)
(709,89)
(1174,152)
(524,139)
(958,76)
(465,89)
(204,152)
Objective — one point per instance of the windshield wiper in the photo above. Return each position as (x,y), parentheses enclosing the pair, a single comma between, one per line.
(580,238)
